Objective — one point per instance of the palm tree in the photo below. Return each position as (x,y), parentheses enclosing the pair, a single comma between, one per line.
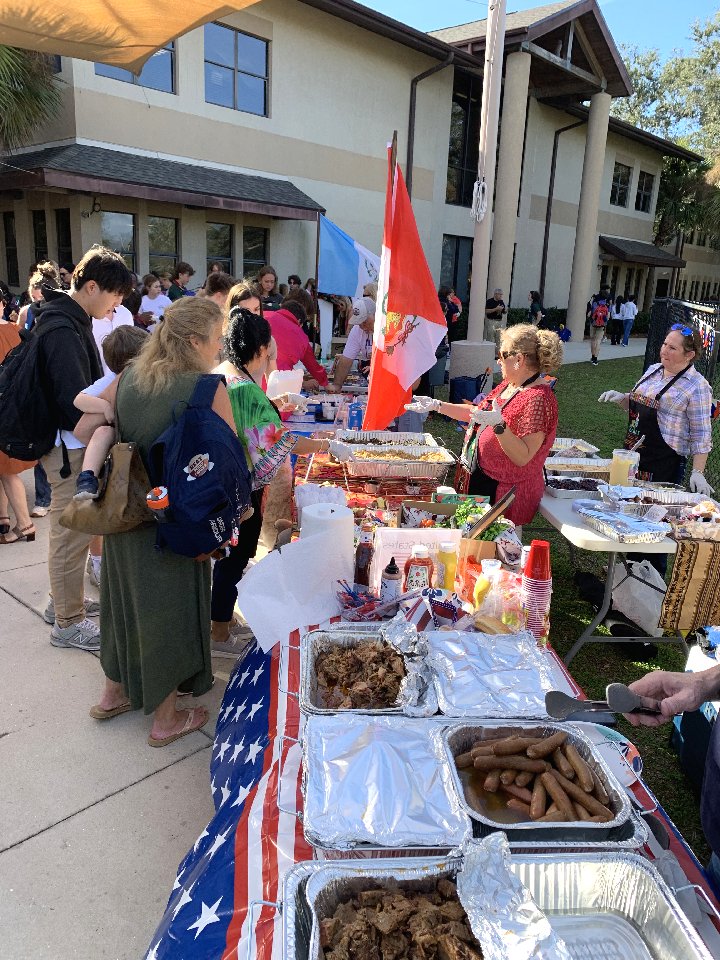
(29,95)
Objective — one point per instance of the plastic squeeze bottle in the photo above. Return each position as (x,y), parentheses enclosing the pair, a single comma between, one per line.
(363,557)
(391,582)
(419,569)
(447,565)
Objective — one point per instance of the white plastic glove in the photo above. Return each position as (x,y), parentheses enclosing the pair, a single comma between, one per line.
(611,396)
(698,484)
(298,401)
(487,418)
(423,404)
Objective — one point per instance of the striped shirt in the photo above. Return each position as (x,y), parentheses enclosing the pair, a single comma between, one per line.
(684,410)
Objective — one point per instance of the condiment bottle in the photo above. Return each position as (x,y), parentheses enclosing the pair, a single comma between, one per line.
(363,557)
(391,582)
(419,569)
(492,605)
(447,565)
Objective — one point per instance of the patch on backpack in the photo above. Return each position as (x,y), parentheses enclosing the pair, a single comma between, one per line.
(199,465)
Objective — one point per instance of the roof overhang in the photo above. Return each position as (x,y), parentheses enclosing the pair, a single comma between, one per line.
(666,147)
(637,251)
(78,168)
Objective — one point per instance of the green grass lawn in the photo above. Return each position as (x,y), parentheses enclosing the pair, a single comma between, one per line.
(604,425)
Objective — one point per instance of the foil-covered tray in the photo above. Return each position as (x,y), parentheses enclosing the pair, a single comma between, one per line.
(558,464)
(491,816)
(562,443)
(378,781)
(604,906)
(476,675)
(398,438)
(624,529)
(375,466)
(317,642)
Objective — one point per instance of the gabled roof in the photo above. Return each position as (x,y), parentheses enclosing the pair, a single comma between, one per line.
(546,28)
(104,171)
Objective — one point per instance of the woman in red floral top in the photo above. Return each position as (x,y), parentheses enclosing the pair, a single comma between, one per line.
(510,433)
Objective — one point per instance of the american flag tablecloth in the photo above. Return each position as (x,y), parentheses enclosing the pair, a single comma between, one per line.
(242,855)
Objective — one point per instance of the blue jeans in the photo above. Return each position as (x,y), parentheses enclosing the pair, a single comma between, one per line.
(627,327)
(43,490)
(713,871)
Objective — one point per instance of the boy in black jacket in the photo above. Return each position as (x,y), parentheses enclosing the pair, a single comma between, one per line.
(71,363)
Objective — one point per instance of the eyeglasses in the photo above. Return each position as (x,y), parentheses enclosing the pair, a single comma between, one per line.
(509,353)
(685,331)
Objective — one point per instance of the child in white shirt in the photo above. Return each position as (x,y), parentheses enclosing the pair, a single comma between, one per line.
(119,348)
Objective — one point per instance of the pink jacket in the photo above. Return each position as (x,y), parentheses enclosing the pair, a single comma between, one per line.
(293,345)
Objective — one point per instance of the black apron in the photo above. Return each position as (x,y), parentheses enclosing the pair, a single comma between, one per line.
(658,460)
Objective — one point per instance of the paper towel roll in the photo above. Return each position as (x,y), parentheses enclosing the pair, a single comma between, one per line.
(330,518)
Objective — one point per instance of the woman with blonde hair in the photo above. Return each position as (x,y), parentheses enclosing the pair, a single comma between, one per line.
(45,274)
(155,605)
(510,433)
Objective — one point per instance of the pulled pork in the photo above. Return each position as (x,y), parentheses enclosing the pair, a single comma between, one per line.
(365,676)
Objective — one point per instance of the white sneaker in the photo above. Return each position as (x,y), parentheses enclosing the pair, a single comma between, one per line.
(39,511)
(84,636)
(92,609)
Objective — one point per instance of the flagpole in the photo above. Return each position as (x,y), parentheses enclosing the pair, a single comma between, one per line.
(489,120)
(393,158)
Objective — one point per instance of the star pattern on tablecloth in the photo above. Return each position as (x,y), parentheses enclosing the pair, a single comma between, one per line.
(185,898)
(224,747)
(253,750)
(218,842)
(242,796)
(207,916)
(254,709)
(237,750)
(256,676)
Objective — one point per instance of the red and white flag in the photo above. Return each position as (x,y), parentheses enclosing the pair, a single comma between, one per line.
(409,322)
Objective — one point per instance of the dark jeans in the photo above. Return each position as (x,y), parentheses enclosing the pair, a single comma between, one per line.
(616,331)
(43,490)
(228,573)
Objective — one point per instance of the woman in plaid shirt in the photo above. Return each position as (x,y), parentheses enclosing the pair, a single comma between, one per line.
(671,407)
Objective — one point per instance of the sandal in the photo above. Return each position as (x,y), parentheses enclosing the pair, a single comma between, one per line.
(4,525)
(27,533)
(99,713)
(190,727)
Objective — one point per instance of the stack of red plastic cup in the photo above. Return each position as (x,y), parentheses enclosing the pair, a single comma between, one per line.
(537,590)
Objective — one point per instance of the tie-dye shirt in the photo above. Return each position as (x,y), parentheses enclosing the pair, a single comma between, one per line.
(264,438)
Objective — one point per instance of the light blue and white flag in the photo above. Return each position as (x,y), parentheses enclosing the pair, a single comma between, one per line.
(344,265)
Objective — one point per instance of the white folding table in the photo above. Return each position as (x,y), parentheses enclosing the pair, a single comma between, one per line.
(560,514)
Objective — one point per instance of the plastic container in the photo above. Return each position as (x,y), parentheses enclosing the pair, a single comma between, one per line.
(391,582)
(284,381)
(624,467)
(492,604)
(158,501)
(446,566)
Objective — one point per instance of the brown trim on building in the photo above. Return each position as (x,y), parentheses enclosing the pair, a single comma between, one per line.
(637,251)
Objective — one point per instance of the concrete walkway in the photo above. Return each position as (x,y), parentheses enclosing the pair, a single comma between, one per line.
(580,352)
(93,821)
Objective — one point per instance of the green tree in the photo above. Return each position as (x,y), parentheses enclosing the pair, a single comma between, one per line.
(30,95)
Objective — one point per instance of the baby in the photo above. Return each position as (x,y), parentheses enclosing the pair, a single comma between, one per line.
(119,348)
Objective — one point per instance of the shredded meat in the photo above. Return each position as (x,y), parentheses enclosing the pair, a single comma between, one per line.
(390,924)
(366,675)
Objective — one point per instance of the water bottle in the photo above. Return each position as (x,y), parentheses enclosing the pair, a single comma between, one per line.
(355,416)
(158,501)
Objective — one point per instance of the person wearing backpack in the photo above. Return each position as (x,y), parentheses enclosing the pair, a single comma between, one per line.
(39,381)
(155,604)
(599,315)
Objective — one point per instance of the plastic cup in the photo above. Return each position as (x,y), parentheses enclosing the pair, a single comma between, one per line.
(538,561)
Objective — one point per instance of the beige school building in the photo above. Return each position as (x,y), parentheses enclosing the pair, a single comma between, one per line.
(237,135)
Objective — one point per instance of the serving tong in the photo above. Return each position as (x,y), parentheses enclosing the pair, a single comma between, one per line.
(618,699)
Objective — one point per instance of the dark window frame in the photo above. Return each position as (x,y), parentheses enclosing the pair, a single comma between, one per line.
(168,255)
(12,272)
(129,256)
(125,76)
(226,260)
(620,187)
(463,144)
(237,70)
(254,263)
(456,264)
(644,192)
(63,235)
(40,235)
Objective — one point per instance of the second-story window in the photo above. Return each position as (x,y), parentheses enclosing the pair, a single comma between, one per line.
(158,73)
(464,136)
(620,185)
(643,197)
(236,69)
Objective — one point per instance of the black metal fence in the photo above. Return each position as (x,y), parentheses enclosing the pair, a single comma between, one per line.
(706,319)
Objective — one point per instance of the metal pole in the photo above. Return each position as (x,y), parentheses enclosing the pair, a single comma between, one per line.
(489,119)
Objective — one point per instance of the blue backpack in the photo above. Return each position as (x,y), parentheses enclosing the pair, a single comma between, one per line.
(201,462)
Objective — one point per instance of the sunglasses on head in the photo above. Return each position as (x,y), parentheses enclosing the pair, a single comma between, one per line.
(685,331)
(509,353)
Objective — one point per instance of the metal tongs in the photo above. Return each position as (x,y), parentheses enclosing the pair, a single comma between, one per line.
(618,699)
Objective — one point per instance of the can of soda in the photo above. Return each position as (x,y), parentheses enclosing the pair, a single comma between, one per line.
(355,416)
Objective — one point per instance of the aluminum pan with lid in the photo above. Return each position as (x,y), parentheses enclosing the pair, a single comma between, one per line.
(459,738)
(383,781)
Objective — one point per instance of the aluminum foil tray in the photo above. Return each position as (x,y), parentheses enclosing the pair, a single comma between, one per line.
(458,739)
(573,494)
(624,529)
(378,781)
(318,641)
(577,465)
(386,436)
(609,906)
(561,443)
(392,468)
(476,675)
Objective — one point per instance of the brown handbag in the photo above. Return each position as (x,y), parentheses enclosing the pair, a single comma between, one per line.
(121,503)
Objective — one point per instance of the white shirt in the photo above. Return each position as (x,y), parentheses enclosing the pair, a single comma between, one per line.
(628,311)
(94,390)
(158,306)
(359,344)
(101,328)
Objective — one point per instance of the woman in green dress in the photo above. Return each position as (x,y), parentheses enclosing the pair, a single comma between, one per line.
(267,443)
(155,605)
